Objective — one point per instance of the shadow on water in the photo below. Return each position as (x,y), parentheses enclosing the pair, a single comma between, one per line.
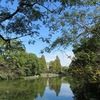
(83,90)
(87,91)
(48,89)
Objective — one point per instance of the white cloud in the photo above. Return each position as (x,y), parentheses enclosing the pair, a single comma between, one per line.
(65,57)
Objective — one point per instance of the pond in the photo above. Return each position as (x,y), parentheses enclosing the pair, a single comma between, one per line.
(38,89)
(47,89)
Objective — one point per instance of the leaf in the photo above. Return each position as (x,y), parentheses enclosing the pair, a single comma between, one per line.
(62,23)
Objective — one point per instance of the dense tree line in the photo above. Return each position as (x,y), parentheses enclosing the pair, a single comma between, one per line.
(55,66)
(16,63)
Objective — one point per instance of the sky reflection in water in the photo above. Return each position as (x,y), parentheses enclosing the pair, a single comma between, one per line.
(64,94)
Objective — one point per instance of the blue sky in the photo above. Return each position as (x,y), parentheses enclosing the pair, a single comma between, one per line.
(65,61)
(36,48)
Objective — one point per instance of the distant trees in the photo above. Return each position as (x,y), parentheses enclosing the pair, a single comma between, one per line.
(43,64)
(32,64)
(17,63)
(55,66)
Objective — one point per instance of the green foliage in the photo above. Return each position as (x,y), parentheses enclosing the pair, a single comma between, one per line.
(55,84)
(84,91)
(75,23)
(77,20)
(19,18)
(69,16)
(43,64)
(86,64)
(55,66)
(64,70)
(17,63)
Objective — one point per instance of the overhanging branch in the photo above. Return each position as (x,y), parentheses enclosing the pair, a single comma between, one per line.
(16,11)
(10,16)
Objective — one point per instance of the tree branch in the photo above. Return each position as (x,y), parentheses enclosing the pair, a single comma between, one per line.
(28,4)
(3,38)
(10,16)
(8,40)
(89,29)
(20,36)
(17,10)
(45,7)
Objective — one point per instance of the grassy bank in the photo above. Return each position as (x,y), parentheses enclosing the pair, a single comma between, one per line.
(30,77)
(49,75)
(42,75)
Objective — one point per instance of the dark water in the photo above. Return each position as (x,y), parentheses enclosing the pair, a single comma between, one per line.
(48,89)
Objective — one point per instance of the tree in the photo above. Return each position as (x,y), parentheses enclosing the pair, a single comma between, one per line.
(87,53)
(32,64)
(52,66)
(10,59)
(55,66)
(74,19)
(58,65)
(75,23)
(64,70)
(22,20)
(43,64)
(16,62)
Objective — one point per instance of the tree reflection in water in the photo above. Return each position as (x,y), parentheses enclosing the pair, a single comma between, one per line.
(85,91)
(49,89)
(22,90)
(89,91)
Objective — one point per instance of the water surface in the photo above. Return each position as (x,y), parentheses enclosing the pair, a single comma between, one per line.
(49,89)
(39,89)
(65,93)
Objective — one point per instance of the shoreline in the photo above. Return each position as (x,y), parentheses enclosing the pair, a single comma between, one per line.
(45,75)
